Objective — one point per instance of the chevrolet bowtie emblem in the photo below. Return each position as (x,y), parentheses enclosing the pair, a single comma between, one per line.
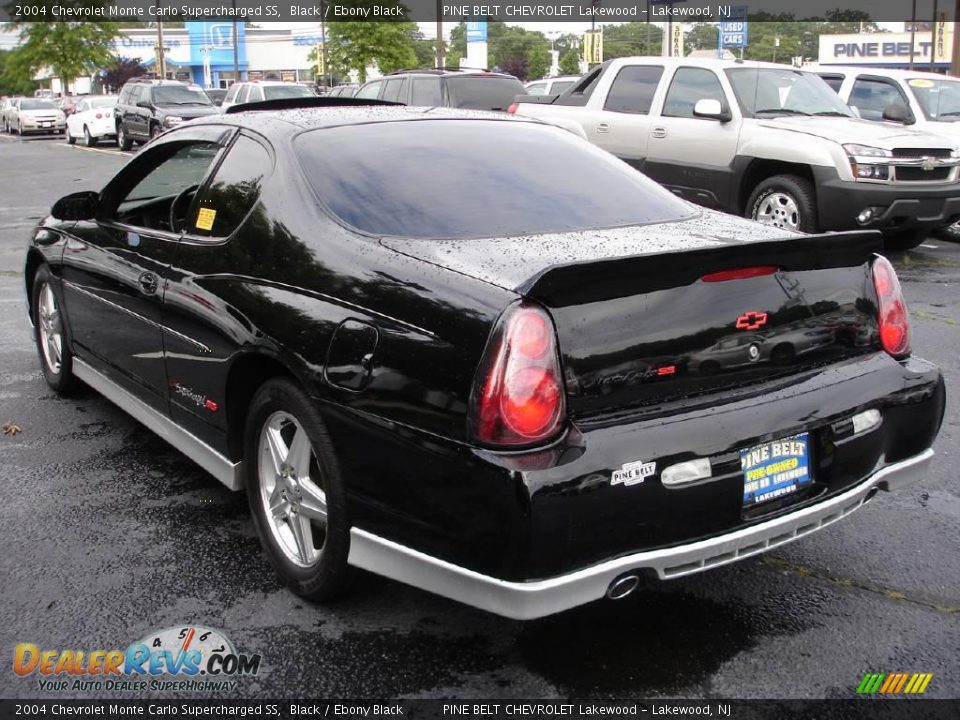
(751,320)
(929,163)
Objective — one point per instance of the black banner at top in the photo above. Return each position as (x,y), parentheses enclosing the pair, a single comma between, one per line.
(602,11)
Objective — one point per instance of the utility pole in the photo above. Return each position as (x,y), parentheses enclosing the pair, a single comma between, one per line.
(441,52)
(955,53)
(161,60)
(328,78)
(933,37)
(236,49)
(913,30)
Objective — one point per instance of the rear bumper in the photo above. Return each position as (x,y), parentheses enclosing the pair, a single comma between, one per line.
(529,600)
(903,207)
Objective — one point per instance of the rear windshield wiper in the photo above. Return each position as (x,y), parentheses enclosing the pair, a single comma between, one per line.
(836,113)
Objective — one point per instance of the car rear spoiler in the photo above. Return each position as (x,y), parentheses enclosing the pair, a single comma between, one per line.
(305,102)
(572,283)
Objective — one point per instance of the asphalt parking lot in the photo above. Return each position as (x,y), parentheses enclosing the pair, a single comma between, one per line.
(109,534)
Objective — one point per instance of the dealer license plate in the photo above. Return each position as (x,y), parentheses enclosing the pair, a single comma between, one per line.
(775,469)
(46,124)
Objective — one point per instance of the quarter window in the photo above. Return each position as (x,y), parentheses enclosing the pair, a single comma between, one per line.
(233,190)
(393,89)
(426,92)
(242,94)
(633,88)
(690,85)
(370,91)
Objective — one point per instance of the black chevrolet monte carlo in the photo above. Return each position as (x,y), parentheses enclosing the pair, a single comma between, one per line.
(475,354)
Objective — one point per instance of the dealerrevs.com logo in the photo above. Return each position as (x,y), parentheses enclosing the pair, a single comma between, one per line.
(184,658)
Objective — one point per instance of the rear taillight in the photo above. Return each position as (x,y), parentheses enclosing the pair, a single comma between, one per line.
(99,116)
(893,317)
(512,109)
(518,398)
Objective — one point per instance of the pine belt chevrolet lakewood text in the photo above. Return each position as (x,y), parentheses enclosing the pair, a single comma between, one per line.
(476,354)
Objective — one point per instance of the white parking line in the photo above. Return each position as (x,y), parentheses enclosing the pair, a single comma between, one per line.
(96,150)
(928,245)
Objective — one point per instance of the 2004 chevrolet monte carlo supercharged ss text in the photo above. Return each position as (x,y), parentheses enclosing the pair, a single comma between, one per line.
(476,354)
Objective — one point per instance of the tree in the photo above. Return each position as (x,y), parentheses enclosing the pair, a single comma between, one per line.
(13,82)
(359,45)
(69,49)
(570,62)
(636,38)
(123,69)
(701,36)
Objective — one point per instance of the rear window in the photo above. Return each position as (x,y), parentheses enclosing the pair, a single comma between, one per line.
(483,179)
(285,92)
(483,92)
(37,105)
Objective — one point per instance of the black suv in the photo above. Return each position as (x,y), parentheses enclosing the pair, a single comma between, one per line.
(428,87)
(148,107)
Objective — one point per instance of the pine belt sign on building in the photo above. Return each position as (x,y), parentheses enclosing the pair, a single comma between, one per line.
(888,49)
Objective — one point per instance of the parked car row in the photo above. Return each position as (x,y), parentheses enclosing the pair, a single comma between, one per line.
(769,142)
(23,115)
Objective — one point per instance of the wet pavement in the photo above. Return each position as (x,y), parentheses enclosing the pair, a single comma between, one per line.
(108,533)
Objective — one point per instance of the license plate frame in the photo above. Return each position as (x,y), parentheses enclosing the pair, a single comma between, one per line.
(775,470)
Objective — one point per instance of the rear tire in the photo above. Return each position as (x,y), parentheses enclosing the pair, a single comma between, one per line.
(905,240)
(784,201)
(295,490)
(88,139)
(50,332)
(123,141)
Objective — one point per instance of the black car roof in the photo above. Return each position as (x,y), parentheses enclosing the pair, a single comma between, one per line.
(294,120)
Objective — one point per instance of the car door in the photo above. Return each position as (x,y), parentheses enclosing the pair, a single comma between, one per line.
(872,95)
(623,127)
(201,332)
(116,266)
(693,156)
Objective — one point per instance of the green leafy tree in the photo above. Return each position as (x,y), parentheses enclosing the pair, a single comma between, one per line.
(69,49)
(701,36)
(12,80)
(570,62)
(358,45)
(636,38)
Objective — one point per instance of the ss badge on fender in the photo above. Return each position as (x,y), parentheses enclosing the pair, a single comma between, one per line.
(633,473)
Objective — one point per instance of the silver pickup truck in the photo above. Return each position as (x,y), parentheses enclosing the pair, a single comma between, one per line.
(765,141)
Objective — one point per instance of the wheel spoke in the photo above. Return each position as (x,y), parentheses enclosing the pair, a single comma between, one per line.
(278,449)
(54,343)
(298,459)
(277,503)
(302,536)
(313,501)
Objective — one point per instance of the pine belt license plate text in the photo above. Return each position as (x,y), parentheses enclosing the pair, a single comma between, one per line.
(775,469)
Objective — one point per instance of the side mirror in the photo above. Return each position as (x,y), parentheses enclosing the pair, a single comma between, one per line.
(76,206)
(711,110)
(897,112)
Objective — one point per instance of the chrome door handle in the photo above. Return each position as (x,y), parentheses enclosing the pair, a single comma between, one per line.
(603,127)
(659,132)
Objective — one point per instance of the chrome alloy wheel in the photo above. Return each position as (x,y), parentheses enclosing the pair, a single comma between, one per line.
(294,502)
(780,210)
(50,329)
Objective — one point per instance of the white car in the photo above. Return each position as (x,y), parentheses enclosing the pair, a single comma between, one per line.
(38,115)
(92,120)
(551,86)
(919,100)
(260,90)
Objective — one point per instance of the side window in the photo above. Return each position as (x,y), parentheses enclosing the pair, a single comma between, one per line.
(163,184)
(242,94)
(233,191)
(871,97)
(537,89)
(370,90)
(426,92)
(134,95)
(393,88)
(834,81)
(231,93)
(688,86)
(633,88)
(256,94)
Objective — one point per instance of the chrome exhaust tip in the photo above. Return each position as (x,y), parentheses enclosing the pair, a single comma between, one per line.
(622,586)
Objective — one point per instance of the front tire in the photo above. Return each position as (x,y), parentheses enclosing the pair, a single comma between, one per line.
(124,142)
(784,201)
(950,232)
(295,491)
(71,140)
(50,332)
